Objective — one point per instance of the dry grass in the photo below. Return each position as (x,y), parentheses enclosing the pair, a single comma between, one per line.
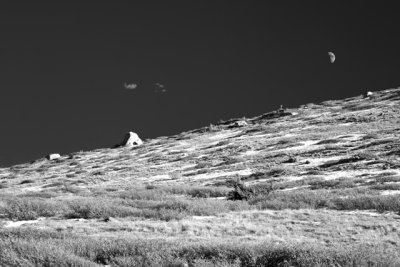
(58,249)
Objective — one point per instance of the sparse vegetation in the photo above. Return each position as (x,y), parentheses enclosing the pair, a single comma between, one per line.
(317,199)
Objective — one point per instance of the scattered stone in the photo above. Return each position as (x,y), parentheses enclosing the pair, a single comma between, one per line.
(131,139)
(238,124)
(53,156)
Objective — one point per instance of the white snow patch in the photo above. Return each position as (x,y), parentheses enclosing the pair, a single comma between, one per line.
(348,173)
(322,160)
(350,137)
(250,153)
(224,135)
(184,167)
(159,177)
(294,188)
(309,143)
(32,189)
(19,223)
(305,144)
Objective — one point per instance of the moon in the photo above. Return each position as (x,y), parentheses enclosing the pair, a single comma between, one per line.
(332,57)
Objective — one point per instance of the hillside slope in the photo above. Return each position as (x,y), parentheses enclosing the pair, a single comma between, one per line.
(355,137)
(325,174)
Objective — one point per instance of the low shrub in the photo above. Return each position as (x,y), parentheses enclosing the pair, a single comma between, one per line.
(198,191)
(27,208)
(328,141)
(39,194)
(32,247)
(316,199)
(181,208)
(304,199)
(335,183)
(89,208)
(242,192)
(393,186)
(143,194)
(281,171)
(367,202)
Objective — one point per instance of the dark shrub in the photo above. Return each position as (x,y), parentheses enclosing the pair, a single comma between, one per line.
(242,192)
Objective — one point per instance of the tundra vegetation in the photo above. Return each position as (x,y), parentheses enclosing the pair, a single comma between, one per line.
(319,188)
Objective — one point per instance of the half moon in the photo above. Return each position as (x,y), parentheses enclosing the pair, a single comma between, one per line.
(331,57)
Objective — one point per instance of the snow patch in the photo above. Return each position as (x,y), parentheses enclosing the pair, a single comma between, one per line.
(20,223)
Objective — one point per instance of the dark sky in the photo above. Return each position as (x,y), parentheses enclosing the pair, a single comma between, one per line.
(63,65)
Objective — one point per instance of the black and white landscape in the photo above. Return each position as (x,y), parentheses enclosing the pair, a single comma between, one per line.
(199,134)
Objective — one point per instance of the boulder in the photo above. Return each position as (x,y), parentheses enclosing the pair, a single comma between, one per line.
(53,156)
(131,139)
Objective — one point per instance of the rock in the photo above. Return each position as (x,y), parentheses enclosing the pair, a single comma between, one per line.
(53,156)
(369,94)
(281,110)
(108,219)
(131,139)
(239,124)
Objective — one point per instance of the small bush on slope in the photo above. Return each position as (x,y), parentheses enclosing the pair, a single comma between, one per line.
(242,192)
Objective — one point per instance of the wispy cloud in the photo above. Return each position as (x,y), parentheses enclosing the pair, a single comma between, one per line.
(130,86)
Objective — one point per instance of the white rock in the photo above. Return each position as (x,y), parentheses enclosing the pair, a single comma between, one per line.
(131,139)
(53,156)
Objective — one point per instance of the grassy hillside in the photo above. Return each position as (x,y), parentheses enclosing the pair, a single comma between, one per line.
(316,185)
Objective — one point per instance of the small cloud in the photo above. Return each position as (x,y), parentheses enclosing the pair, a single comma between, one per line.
(130,86)
(160,88)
